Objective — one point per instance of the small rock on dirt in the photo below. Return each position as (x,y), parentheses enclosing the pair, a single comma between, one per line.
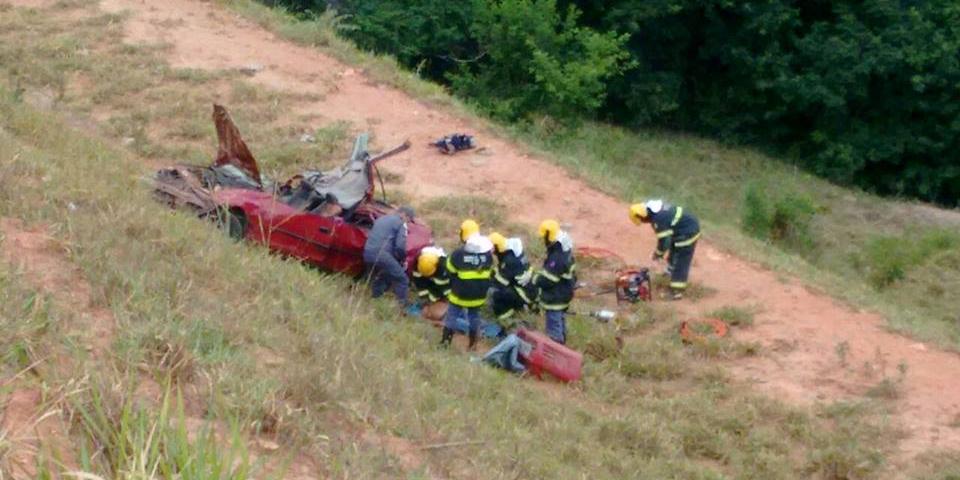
(127,141)
(251,69)
(307,138)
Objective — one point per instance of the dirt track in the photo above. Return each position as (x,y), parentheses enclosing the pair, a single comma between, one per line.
(800,330)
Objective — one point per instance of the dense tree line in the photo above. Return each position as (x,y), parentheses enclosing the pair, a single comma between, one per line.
(861,92)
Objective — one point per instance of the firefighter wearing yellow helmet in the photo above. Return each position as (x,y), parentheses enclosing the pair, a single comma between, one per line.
(677,234)
(557,279)
(470,268)
(431,282)
(468,228)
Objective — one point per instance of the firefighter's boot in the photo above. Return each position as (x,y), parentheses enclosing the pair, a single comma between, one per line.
(447,337)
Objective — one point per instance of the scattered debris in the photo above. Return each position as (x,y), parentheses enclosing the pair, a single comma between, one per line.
(307,138)
(251,69)
(696,331)
(454,143)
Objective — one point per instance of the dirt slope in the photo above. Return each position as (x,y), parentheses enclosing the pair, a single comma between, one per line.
(799,329)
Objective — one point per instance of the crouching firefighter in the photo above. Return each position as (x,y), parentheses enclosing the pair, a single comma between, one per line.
(470,268)
(677,234)
(557,280)
(431,282)
(513,290)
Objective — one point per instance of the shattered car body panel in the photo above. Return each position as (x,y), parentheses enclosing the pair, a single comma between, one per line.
(322,218)
(330,242)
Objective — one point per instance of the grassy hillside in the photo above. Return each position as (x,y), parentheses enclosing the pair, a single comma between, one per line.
(265,348)
(901,258)
(269,342)
(175,284)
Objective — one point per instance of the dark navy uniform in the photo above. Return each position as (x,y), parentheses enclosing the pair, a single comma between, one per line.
(556,282)
(677,234)
(469,281)
(512,289)
(435,287)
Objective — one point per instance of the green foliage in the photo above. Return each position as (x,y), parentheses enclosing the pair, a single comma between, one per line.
(132,441)
(886,259)
(537,59)
(862,93)
(782,219)
(734,315)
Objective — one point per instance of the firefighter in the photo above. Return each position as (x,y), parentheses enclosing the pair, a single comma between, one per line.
(431,282)
(677,234)
(385,254)
(470,268)
(512,290)
(557,279)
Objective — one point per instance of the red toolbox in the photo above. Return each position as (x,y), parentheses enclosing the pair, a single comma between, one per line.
(541,354)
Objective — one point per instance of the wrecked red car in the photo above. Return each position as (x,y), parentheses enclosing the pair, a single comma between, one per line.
(322,218)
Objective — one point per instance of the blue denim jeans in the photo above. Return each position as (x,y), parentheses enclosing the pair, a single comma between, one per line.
(385,272)
(458,317)
(557,326)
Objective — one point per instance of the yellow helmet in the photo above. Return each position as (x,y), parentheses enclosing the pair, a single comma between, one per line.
(467,228)
(499,241)
(549,229)
(427,264)
(638,213)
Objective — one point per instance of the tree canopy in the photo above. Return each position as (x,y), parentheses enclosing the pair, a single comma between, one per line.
(864,93)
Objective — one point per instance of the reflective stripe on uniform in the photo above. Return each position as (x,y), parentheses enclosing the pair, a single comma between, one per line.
(678,285)
(522,293)
(550,276)
(569,274)
(505,315)
(676,216)
(665,233)
(472,275)
(460,302)
(441,281)
(554,306)
(687,242)
(499,278)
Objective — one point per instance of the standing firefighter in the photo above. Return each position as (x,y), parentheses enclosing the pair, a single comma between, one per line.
(557,279)
(431,282)
(677,234)
(470,268)
(385,254)
(512,290)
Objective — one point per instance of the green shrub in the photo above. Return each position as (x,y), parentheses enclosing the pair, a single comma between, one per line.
(887,259)
(783,220)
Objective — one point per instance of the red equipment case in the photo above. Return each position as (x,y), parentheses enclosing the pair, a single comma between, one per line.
(545,355)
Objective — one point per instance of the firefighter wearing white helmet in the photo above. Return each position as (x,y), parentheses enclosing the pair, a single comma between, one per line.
(677,234)
(557,279)
(512,287)
(470,268)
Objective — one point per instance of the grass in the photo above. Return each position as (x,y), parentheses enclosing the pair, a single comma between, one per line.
(815,230)
(734,315)
(267,347)
(169,276)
